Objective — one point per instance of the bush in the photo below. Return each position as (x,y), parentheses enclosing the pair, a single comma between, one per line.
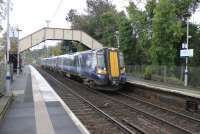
(148,73)
(194,79)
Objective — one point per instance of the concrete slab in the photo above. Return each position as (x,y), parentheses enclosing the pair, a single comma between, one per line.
(61,121)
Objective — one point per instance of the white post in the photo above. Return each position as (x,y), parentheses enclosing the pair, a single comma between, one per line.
(186,58)
(48,22)
(18,67)
(8,77)
(117,37)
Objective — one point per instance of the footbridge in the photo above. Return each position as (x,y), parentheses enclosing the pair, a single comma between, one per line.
(47,33)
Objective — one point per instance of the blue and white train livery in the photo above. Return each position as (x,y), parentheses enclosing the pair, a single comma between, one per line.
(101,68)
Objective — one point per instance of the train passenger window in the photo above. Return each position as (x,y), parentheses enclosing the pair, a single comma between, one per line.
(93,61)
(65,61)
(121,60)
(101,60)
(83,60)
(89,61)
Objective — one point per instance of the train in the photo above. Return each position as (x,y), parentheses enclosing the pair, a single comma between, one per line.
(102,69)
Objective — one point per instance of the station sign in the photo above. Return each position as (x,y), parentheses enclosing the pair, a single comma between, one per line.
(187,53)
(13,33)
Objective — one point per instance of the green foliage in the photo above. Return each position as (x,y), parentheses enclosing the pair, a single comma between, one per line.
(99,22)
(194,77)
(148,72)
(125,39)
(98,7)
(185,8)
(2,12)
(150,36)
(66,47)
(194,43)
(141,33)
(55,51)
(109,27)
(167,32)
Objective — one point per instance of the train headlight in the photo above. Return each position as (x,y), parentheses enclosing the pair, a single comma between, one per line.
(123,70)
(101,71)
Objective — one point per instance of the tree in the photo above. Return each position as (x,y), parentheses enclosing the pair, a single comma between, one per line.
(2,12)
(3,39)
(93,23)
(98,7)
(150,36)
(194,43)
(138,21)
(167,32)
(109,27)
(185,8)
(125,38)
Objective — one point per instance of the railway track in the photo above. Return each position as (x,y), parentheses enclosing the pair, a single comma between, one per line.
(178,120)
(133,114)
(169,112)
(176,104)
(96,120)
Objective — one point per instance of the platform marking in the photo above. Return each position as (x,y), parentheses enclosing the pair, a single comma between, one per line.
(77,122)
(43,122)
(18,92)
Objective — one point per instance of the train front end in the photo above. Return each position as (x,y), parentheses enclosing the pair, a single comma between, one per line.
(111,68)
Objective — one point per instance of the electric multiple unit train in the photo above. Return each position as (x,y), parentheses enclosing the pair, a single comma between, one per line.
(101,68)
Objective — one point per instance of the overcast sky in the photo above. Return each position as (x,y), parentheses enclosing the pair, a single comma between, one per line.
(30,15)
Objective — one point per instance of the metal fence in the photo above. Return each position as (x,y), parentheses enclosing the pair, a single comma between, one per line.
(170,75)
(2,77)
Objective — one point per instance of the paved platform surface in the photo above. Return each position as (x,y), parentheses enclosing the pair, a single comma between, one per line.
(165,87)
(37,109)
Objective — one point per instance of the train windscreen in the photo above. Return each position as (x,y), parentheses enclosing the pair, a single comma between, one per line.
(101,60)
(121,60)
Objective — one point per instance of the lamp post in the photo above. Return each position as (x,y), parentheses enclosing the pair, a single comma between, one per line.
(186,58)
(18,30)
(47,22)
(117,37)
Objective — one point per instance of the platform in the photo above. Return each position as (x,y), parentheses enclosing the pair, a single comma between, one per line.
(37,109)
(165,87)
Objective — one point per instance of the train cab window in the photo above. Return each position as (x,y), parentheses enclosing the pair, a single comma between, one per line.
(121,60)
(101,60)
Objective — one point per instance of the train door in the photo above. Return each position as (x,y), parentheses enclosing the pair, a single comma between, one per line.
(114,63)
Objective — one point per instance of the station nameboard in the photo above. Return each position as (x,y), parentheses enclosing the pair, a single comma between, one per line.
(187,53)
